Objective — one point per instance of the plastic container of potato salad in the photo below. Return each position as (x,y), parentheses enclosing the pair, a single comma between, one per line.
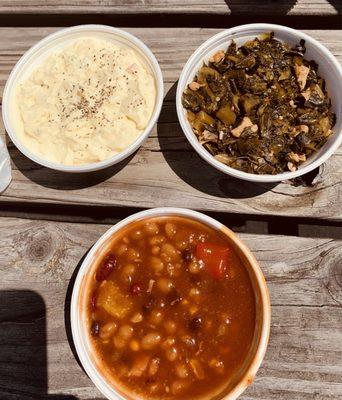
(54,43)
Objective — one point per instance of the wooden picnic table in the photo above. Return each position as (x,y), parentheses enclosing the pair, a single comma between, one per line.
(49,220)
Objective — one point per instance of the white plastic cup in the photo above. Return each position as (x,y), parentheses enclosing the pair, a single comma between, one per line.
(80,298)
(329,69)
(56,41)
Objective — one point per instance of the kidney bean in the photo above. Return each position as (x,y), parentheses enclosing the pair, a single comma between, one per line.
(106,268)
(149,304)
(136,289)
(95,328)
(195,324)
(187,255)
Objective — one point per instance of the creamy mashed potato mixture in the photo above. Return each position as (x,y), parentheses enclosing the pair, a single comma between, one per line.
(85,103)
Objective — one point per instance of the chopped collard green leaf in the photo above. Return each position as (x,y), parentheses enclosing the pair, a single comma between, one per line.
(260,108)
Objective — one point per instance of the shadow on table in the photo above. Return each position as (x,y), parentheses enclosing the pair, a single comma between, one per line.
(185,162)
(23,359)
(337,4)
(67,303)
(239,6)
(60,180)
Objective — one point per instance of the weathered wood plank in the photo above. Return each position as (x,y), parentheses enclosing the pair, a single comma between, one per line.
(166,171)
(224,7)
(38,259)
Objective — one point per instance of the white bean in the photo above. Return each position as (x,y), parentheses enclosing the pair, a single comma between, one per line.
(179,386)
(170,326)
(164,285)
(156,240)
(151,228)
(171,353)
(127,272)
(170,229)
(137,317)
(108,330)
(181,371)
(150,340)
(137,234)
(121,249)
(168,252)
(154,366)
(126,332)
(156,317)
(132,254)
(156,264)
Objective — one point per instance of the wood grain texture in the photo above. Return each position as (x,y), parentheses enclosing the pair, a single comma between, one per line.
(38,259)
(166,171)
(225,7)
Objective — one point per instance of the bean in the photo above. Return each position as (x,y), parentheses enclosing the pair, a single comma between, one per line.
(140,365)
(132,254)
(134,345)
(155,250)
(156,264)
(170,229)
(151,228)
(168,252)
(171,353)
(150,340)
(179,386)
(193,309)
(164,285)
(155,387)
(181,240)
(121,249)
(187,255)
(126,332)
(170,326)
(195,293)
(127,272)
(189,341)
(137,234)
(194,267)
(154,366)
(106,268)
(222,330)
(156,240)
(108,330)
(135,289)
(156,317)
(181,370)
(95,328)
(170,341)
(137,317)
(149,304)
(195,324)
(119,342)
(217,365)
